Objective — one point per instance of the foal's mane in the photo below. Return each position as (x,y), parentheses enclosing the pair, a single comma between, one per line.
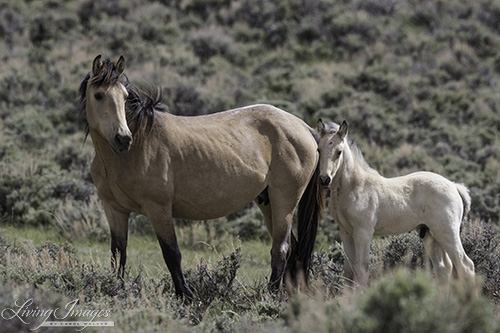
(357,152)
(141,104)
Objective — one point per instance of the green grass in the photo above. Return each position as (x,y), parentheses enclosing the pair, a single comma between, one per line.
(37,235)
(144,252)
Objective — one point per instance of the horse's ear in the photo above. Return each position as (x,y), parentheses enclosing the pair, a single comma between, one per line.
(120,65)
(343,130)
(96,65)
(321,127)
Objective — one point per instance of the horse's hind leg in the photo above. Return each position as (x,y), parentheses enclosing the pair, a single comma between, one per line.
(451,243)
(265,208)
(280,229)
(279,253)
(118,227)
(440,260)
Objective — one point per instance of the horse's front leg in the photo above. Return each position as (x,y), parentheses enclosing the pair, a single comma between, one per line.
(362,240)
(163,225)
(350,255)
(118,227)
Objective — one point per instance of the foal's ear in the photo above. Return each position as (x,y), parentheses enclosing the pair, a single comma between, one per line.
(343,130)
(321,127)
(120,65)
(96,65)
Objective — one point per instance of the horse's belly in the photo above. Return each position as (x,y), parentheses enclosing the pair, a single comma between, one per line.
(207,201)
(204,209)
(396,222)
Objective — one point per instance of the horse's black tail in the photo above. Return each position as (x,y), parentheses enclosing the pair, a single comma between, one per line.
(310,209)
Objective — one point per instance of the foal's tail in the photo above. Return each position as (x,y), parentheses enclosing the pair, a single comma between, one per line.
(464,194)
(311,206)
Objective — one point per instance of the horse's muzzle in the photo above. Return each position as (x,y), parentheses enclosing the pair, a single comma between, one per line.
(123,142)
(324,180)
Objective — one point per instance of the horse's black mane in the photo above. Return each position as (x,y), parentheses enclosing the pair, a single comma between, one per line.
(141,104)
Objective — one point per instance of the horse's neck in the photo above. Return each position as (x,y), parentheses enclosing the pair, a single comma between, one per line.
(111,161)
(138,155)
(352,169)
(102,150)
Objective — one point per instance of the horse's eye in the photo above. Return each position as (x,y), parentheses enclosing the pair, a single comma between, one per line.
(339,153)
(98,96)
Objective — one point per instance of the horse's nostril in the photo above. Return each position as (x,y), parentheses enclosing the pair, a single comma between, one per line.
(123,141)
(324,180)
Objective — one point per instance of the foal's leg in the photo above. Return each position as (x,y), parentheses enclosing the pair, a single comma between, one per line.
(362,239)
(451,243)
(350,255)
(441,263)
(162,222)
(118,227)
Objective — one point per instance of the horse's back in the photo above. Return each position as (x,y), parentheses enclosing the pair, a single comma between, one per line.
(244,127)
(425,180)
(234,155)
(405,202)
(430,192)
(289,140)
(264,118)
(255,133)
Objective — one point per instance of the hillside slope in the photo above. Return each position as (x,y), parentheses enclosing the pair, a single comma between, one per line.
(417,81)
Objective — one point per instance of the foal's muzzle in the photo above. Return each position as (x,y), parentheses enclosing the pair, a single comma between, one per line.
(325,180)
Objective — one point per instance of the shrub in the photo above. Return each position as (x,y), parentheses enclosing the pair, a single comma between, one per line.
(206,8)
(185,100)
(117,35)
(409,158)
(414,302)
(351,32)
(427,15)
(327,268)
(479,38)
(481,241)
(249,226)
(156,24)
(405,249)
(213,41)
(90,11)
(377,80)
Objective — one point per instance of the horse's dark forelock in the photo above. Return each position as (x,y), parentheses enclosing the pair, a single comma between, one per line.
(140,106)
(107,75)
